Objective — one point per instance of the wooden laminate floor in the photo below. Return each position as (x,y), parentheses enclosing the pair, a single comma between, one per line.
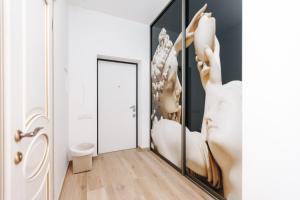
(130,175)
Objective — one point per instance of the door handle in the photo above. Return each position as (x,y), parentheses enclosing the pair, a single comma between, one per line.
(19,135)
(133,108)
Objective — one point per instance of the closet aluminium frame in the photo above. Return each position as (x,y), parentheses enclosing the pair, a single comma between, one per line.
(182,170)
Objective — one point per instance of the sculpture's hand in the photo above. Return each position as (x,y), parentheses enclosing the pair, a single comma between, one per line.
(194,23)
(190,30)
(211,71)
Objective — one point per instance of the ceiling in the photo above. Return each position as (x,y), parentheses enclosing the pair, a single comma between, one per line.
(142,11)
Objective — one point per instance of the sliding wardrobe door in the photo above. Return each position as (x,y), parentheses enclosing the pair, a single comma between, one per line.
(166,84)
(213,97)
(196,103)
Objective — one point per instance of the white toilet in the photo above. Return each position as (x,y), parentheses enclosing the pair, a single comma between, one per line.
(82,157)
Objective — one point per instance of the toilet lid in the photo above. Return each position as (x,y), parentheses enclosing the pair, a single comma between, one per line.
(82,149)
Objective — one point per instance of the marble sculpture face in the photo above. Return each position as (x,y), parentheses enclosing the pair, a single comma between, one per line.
(170,96)
(165,82)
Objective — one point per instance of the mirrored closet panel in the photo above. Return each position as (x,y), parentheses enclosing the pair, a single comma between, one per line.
(213,95)
(166,84)
(206,146)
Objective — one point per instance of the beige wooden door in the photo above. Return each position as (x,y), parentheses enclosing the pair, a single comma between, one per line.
(28,99)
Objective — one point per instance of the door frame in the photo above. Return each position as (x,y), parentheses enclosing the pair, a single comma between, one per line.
(136,98)
(1,100)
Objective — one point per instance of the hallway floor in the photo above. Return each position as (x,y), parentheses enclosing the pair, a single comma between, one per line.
(130,175)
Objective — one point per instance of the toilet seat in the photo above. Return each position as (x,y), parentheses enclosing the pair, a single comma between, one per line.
(82,149)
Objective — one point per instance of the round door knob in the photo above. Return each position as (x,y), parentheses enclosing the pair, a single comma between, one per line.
(18,157)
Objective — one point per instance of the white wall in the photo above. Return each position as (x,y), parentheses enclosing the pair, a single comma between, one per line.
(60,94)
(92,34)
(271,100)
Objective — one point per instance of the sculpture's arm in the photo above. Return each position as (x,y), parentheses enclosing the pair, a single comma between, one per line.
(211,72)
(190,30)
(166,135)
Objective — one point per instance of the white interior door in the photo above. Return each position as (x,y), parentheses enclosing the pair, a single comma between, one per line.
(116,106)
(28,99)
